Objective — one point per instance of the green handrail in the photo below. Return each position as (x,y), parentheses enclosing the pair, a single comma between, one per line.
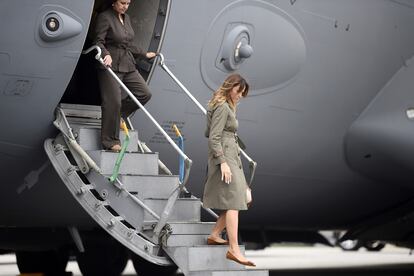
(121,154)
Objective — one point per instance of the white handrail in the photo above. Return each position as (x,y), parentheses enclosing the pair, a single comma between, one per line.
(162,220)
(188,161)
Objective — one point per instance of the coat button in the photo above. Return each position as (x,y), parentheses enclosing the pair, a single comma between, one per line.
(240,167)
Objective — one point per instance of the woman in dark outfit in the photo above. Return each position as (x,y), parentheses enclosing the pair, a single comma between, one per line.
(225,189)
(114,35)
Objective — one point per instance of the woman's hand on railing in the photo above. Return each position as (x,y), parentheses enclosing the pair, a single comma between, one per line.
(150,55)
(107,60)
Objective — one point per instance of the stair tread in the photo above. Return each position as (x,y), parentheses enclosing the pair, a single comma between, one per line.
(206,246)
(179,223)
(184,209)
(181,229)
(132,163)
(150,186)
(191,222)
(151,175)
(127,152)
(180,198)
(206,258)
(81,110)
(243,271)
(89,138)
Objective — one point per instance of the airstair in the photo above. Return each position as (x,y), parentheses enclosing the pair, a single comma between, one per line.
(142,205)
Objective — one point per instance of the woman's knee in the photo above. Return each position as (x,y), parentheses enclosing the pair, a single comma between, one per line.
(116,103)
(147,97)
(111,103)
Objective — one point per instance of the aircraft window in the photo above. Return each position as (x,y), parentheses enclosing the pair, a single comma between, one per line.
(52,24)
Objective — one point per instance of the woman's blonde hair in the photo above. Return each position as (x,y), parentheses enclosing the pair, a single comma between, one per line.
(222,94)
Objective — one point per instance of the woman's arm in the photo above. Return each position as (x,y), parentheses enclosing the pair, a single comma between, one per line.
(218,121)
(101,30)
(137,52)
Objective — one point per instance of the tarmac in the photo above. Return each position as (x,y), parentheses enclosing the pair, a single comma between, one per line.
(298,261)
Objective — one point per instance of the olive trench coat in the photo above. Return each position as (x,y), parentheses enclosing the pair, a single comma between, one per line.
(223,147)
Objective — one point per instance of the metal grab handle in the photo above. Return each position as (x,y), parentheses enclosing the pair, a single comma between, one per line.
(67,132)
(252,163)
(188,162)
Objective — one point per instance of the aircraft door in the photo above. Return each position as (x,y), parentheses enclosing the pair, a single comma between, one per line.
(41,41)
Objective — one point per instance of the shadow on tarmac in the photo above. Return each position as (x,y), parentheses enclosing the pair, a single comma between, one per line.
(378,270)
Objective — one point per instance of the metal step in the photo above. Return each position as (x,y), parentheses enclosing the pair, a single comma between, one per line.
(185,209)
(82,115)
(150,186)
(249,272)
(90,139)
(187,240)
(133,162)
(203,259)
(81,110)
(191,228)
(185,233)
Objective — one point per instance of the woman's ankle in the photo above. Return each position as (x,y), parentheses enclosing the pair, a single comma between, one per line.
(235,250)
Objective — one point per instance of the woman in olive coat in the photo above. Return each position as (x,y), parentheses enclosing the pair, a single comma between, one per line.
(226,185)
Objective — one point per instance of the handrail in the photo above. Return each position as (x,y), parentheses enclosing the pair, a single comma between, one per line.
(188,162)
(162,220)
(252,163)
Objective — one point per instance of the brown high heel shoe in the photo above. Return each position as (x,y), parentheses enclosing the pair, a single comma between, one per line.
(214,241)
(230,256)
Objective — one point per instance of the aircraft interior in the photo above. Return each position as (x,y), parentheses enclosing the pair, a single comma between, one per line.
(148,19)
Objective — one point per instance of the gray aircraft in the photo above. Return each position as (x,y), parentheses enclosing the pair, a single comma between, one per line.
(329,121)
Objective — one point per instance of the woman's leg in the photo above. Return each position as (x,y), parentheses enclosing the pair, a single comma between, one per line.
(219,226)
(111,106)
(232,224)
(137,85)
